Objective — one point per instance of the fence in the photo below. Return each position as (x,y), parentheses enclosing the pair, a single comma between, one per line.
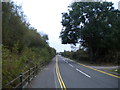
(23,79)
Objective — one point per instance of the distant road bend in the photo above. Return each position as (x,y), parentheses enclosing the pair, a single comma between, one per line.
(64,73)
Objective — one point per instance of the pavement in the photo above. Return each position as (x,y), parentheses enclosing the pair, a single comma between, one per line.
(106,67)
(65,73)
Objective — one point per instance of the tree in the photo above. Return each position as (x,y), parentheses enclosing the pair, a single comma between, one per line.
(45,38)
(93,25)
(13,27)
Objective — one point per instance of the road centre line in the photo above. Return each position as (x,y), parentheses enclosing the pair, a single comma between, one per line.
(66,61)
(62,85)
(70,65)
(83,73)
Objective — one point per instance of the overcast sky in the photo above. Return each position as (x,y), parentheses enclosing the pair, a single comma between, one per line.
(45,16)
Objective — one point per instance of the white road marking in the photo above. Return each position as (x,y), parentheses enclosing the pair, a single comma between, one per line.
(83,73)
(70,60)
(66,61)
(71,65)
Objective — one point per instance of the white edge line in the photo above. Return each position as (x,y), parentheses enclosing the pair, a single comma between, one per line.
(83,73)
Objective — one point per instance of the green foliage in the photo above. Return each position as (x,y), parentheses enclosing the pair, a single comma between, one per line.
(17,30)
(23,47)
(116,70)
(94,26)
(14,63)
(78,55)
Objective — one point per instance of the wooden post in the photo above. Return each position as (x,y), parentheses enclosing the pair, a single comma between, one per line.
(21,81)
(33,72)
(29,76)
(36,69)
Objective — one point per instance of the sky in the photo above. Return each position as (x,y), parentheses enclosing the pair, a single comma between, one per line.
(45,16)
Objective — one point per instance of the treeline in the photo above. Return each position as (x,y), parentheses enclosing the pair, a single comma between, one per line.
(95,26)
(79,55)
(22,46)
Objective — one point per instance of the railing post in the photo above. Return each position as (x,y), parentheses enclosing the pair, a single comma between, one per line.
(21,81)
(36,69)
(32,73)
(29,74)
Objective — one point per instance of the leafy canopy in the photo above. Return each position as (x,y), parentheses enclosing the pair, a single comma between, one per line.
(91,24)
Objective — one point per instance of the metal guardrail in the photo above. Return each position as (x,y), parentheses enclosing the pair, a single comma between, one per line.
(23,79)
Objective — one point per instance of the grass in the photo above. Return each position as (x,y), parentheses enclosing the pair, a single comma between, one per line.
(115,71)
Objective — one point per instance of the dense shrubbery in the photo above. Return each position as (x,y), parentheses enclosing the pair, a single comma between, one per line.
(84,57)
(23,47)
(78,55)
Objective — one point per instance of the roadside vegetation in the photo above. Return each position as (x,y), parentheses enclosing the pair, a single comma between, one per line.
(22,46)
(115,71)
(95,27)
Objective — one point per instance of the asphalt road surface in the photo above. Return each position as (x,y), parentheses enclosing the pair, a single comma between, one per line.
(64,73)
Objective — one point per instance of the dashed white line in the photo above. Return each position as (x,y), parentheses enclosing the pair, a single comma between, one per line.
(71,65)
(66,61)
(83,73)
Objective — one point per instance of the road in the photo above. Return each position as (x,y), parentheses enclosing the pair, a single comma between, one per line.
(65,73)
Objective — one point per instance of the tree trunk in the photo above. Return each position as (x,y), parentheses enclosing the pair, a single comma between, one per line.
(93,54)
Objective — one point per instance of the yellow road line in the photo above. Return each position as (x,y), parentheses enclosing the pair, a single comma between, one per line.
(58,77)
(61,78)
(62,85)
(100,71)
